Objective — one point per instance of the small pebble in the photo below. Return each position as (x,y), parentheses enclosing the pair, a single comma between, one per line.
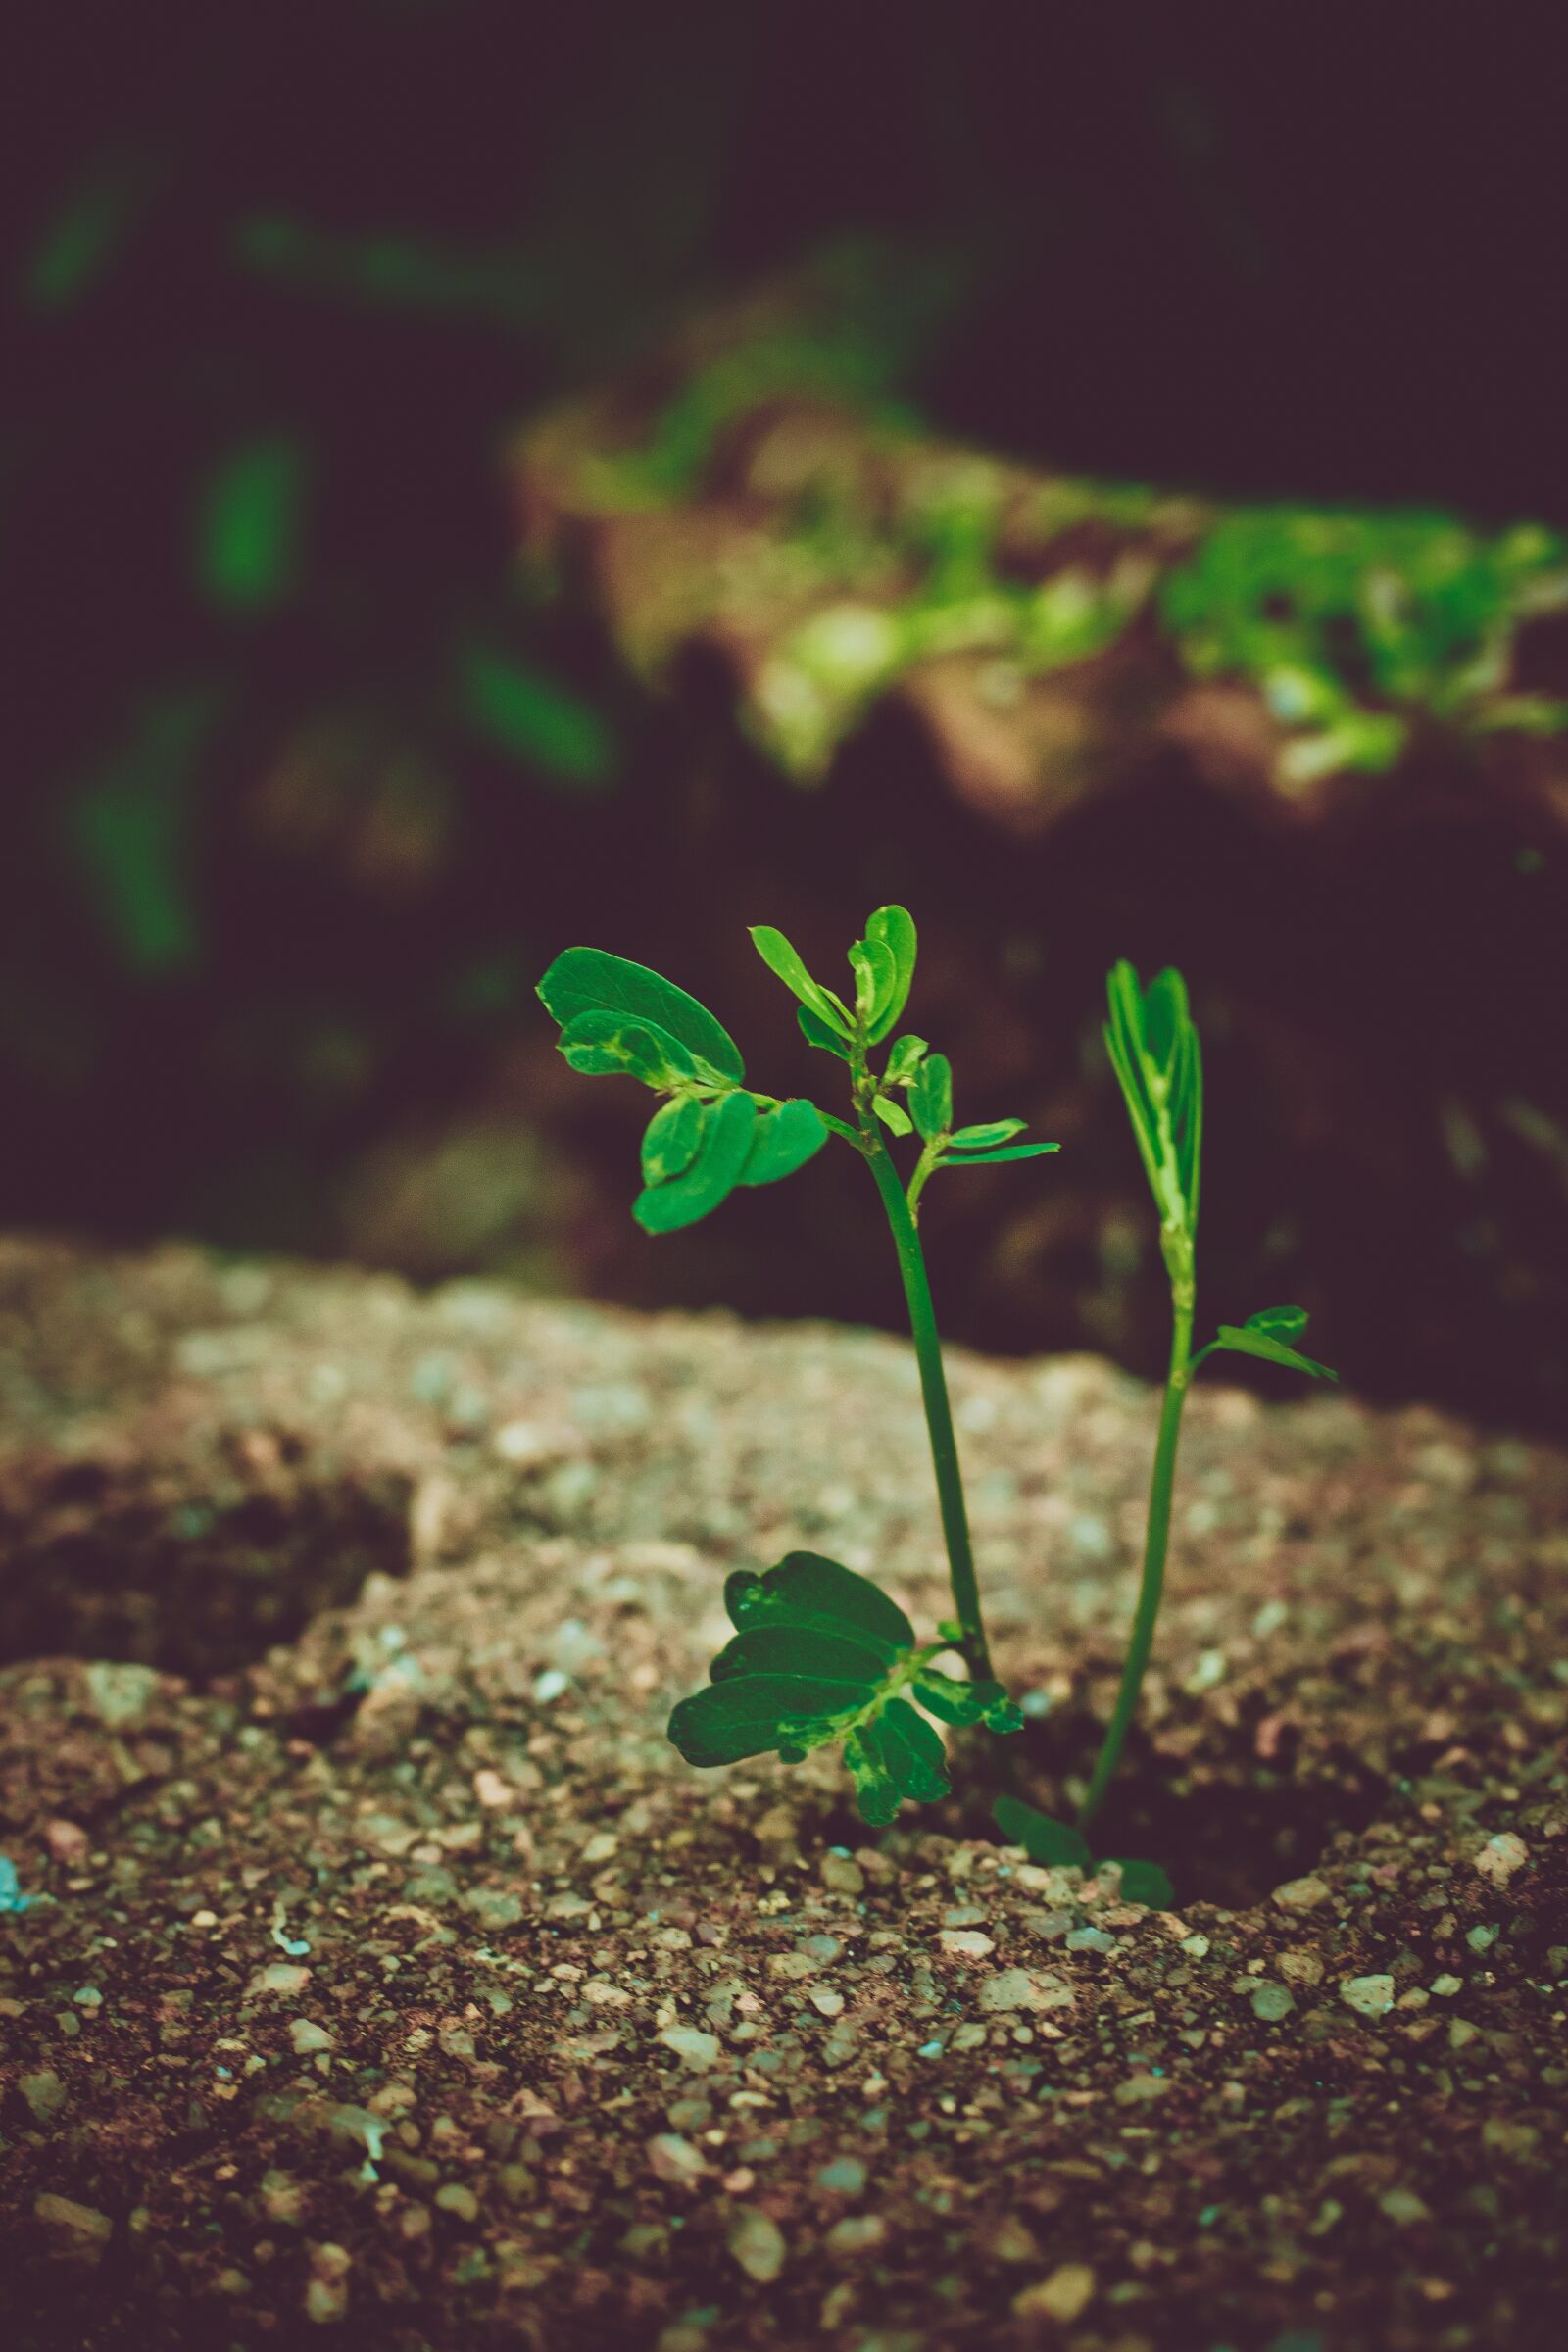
(1372,1996)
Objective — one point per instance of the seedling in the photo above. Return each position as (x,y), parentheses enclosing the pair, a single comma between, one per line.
(1155,1052)
(820,1654)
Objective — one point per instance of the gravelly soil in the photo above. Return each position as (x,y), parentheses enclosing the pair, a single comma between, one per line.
(399,1979)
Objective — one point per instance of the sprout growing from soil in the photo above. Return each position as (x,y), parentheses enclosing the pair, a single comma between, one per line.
(820,1654)
(1155,1052)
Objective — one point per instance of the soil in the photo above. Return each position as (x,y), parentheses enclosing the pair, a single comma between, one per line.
(384,1969)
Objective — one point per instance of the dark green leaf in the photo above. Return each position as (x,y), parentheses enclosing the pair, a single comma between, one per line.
(1054,1845)
(785,1139)
(953,1701)
(903,1060)
(1258,1342)
(799,1650)
(537,719)
(1147,1883)
(783,961)
(817,1032)
(712,1176)
(250,526)
(892,929)
(982,1139)
(807,1591)
(913,1752)
(931,1096)
(611,1045)
(590,980)
(892,1115)
(1280,1322)
(876,1791)
(755,1712)
(989,1160)
(672,1138)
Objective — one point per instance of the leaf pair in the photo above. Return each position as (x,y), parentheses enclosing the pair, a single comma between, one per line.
(1056,1845)
(821,1654)
(618,1018)
(1156,1055)
(883,964)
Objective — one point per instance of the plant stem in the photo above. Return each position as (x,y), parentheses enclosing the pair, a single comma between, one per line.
(938,1412)
(1156,1539)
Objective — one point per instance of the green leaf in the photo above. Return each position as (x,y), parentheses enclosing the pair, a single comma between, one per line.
(953,1701)
(875,977)
(672,1138)
(1155,1052)
(250,523)
(1054,1845)
(903,1060)
(981,1139)
(807,1589)
(1280,1322)
(536,720)
(1246,1342)
(799,1650)
(892,1115)
(892,929)
(1147,1883)
(914,1751)
(590,980)
(989,1160)
(611,1045)
(817,1033)
(785,1139)
(755,1712)
(710,1177)
(931,1096)
(783,961)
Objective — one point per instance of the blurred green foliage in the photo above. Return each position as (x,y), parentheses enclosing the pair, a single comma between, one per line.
(250,516)
(129,825)
(531,715)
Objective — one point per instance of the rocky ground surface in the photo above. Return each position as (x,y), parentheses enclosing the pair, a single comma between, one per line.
(373,1964)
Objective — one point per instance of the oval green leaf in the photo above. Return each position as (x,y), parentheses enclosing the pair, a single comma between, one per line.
(1053,1844)
(982,1139)
(990,1159)
(799,1650)
(808,1590)
(712,1176)
(784,961)
(672,1138)
(611,1045)
(784,1140)
(589,980)
(892,929)
(730,1720)
(931,1096)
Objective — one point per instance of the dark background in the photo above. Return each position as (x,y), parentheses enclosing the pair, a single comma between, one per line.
(274,883)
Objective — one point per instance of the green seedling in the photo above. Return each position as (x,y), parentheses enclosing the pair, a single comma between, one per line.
(1155,1052)
(820,1654)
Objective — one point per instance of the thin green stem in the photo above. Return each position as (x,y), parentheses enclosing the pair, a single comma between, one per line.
(934,1390)
(1155,1541)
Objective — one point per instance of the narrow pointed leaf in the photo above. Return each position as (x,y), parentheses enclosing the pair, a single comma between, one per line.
(817,1032)
(712,1176)
(1053,1844)
(989,1160)
(588,980)
(785,1139)
(672,1138)
(785,962)
(892,1115)
(893,928)
(984,1139)
(611,1044)
(931,1096)
(1274,1351)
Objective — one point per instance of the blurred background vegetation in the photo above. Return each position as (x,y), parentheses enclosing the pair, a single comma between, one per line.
(318,748)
